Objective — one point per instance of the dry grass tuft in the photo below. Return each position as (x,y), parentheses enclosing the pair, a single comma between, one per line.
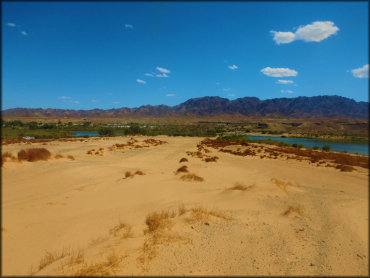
(100,269)
(158,221)
(51,257)
(281,184)
(191,177)
(121,229)
(183,160)
(182,210)
(211,159)
(345,168)
(291,209)
(241,187)
(128,175)
(34,154)
(71,157)
(58,156)
(182,169)
(140,173)
(201,214)
(5,156)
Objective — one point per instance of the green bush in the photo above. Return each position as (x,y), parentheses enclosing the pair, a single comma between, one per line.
(316,147)
(326,148)
(105,131)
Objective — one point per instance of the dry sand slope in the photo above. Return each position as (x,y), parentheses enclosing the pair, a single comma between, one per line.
(248,216)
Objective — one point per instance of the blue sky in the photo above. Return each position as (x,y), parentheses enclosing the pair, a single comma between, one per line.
(86,55)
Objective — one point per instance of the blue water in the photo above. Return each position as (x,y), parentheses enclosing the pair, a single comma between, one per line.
(88,133)
(361,148)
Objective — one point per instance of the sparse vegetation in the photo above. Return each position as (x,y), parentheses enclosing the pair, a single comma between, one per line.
(34,154)
(191,177)
(158,221)
(183,160)
(293,209)
(241,187)
(182,169)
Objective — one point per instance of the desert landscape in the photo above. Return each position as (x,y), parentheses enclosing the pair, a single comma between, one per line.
(181,206)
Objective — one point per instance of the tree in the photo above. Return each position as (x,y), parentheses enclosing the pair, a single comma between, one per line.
(105,131)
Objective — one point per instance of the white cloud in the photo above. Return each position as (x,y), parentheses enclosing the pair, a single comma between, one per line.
(231,95)
(64,97)
(115,102)
(129,26)
(140,81)
(94,100)
(281,81)
(170,95)
(278,72)
(24,33)
(148,74)
(74,101)
(315,32)
(287,91)
(233,67)
(163,70)
(362,72)
(11,24)
(226,89)
(283,37)
(161,75)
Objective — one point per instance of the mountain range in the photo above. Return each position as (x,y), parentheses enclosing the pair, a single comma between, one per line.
(299,107)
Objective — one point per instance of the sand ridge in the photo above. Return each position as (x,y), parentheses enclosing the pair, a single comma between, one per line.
(246,216)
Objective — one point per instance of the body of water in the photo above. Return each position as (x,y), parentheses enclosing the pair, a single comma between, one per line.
(361,148)
(89,133)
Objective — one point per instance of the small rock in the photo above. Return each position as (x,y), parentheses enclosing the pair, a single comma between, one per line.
(206,223)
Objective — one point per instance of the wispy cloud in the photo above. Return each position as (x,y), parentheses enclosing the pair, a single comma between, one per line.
(226,89)
(129,26)
(279,72)
(362,72)
(24,33)
(74,101)
(170,95)
(287,91)
(315,32)
(140,81)
(11,24)
(282,81)
(231,95)
(161,75)
(115,102)
(163,70)
(94,100)
(65,97)
(233,67)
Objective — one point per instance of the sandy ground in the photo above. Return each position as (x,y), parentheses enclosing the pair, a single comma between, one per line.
(66,217)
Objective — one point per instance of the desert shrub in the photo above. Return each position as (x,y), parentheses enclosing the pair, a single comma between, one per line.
(58,156)
(71,157)
(34,154)
(158,221)
(182,169)
(183,160)
(316,147)
(128,174)
(138,172)
(326,148)
(191,177)
(345,168)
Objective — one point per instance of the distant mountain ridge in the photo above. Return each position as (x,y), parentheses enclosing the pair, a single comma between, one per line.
(299,107)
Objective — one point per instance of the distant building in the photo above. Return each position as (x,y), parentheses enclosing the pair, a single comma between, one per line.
(28,137)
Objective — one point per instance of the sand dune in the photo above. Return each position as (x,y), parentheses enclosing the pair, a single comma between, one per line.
(243,216)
